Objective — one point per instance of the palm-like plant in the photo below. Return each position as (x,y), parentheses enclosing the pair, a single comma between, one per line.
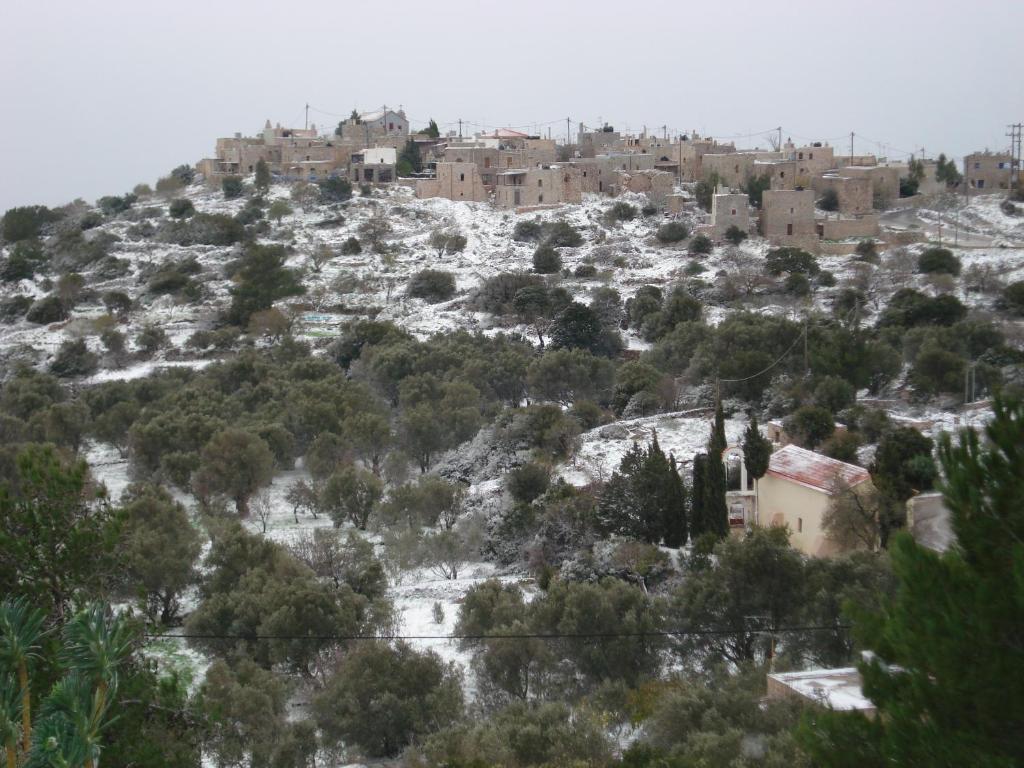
(10,717)
(21,630)
(95,645)
(71,721)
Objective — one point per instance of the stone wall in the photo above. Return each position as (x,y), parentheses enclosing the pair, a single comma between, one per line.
(729,210)
(455,181)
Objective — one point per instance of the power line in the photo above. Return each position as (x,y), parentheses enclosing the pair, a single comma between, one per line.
(509,636)
(803,333)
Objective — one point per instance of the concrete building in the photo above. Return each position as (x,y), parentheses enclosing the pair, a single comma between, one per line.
(796,493)
(373,165)
(528,187)
(455,181)
(729,209)
(787,218)
(988,171)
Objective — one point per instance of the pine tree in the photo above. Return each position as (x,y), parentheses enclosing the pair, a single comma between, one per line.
(945,677)
(714,509)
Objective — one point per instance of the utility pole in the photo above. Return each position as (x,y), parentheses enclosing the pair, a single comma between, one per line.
(1015,152)
(307,116)
(460,127)
(851,147)
(568,132)
(779,129)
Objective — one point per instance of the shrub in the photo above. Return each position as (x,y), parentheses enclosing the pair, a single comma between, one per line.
(908,308)
(232,187)
(26,257)
(796,284)
(621,211)
(528,482)
(938,260)
(27,221)
(585,271)
(497,293)
(1008,207)
(204,229)
(1013,297)
(735,235)
(829,200)
(528,231)
(791,261)
(351,247)
(546,260)
(562,234)
(151,338)
(49,309)
(111,205)
(867,251)
(335,189)
(672,232)
(169,185)
(810,425)
(701,244)
(185,174)
(648,210)
(433,285)
(181,208)
(15,307)
(73,359)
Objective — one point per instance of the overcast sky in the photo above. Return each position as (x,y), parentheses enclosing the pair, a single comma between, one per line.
(99,95)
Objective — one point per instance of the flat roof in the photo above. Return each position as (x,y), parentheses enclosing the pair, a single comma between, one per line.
(835,688)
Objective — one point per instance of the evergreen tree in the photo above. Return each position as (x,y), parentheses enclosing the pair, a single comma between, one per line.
(698,497)
(757,452)
(432,130)
(674,524)
(409,161)
(948,658)
(262,182)
(714,509)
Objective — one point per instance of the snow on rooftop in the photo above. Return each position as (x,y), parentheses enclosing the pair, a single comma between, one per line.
(834,688)
(813,469)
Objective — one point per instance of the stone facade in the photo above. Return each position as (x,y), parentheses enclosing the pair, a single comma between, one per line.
(373,126)
(538,186)
(846,227)
(987,171)
(454,181)
(291,153)
(657,185)
(854,193)
(811,161)
(729,210)
(884,180)
(593,143)
(690,154)
(732,169)
(787,218)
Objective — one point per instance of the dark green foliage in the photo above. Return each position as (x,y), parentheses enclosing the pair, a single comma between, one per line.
(546,260)
(672,232)
(578,327)
(335,189)
(181,208)
(261,280)
(645,499)
(701,244)
(112,205)
(621,211)
(528,482)
(809,425)
(834,394)
(234,463)
(409,159)
(14,307)
(528,231)
(232,187)
(937,370)
(633,378)
(351,247)
(949,632)
(25,259)
(757,450)
(56,538)
(497,293)
(646,301)
(351,495)
(186,174)
(1013,296)
(567,376)
(432,130)
(117,303)
(74,359)
(714,512)
(867,251)
(382,698)
(908,308)
(561,234)
(705,191)
(796,284)
(159,547)
(946,170)
(433,285)
(903,463)
(204,229)
(585,271)
(829,200)
(938,260)
(735,235)
(755,187)
(27,222)
(262,176)
(679,307)
(790,261)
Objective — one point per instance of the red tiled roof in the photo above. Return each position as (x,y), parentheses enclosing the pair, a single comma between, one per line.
(812,469)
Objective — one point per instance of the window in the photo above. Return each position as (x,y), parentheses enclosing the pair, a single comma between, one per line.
(791,210)
(487,162)
(980,184)
(307,158)
(789,229)
(391,126)
(733,211)
(811,155)
(799,525)
(800,156)
(1002,165)
(540,182)
(782,174)
(540,198)
(462,177)
(977,166)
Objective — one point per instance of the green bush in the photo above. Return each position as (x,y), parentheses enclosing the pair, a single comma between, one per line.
(829,200)
(867,251)
(791,261)
(528,231)
(621,211)
(26,222)
(701,244)
(908,308)
(546,260)
(528,482)
(111,205)
(232,187)
(735,235)
(49,309)
(351,247)
(433,285)
(181,208)
(938,260)
(1013,297)
(672,232)
(585,271)
(73,359)
(335,189)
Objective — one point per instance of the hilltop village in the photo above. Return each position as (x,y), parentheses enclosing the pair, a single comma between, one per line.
(410,447)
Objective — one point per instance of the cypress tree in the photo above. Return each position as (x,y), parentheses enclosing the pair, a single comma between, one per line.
(262,182)
(948,660)
(715,510)
(757,452)
(698,518)
(674,509)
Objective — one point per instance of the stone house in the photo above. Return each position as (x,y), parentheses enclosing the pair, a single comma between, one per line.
(796,492)
(781,173)
(291,153)
(811,161)
(854,192)
(657,185)
(731,170)
(593,143)
(373,165)
(527,187)
(373,126)
(988,171)
(787,218)
(690,152)
(597,176)
(729,209)
(884,180)
(455,181)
